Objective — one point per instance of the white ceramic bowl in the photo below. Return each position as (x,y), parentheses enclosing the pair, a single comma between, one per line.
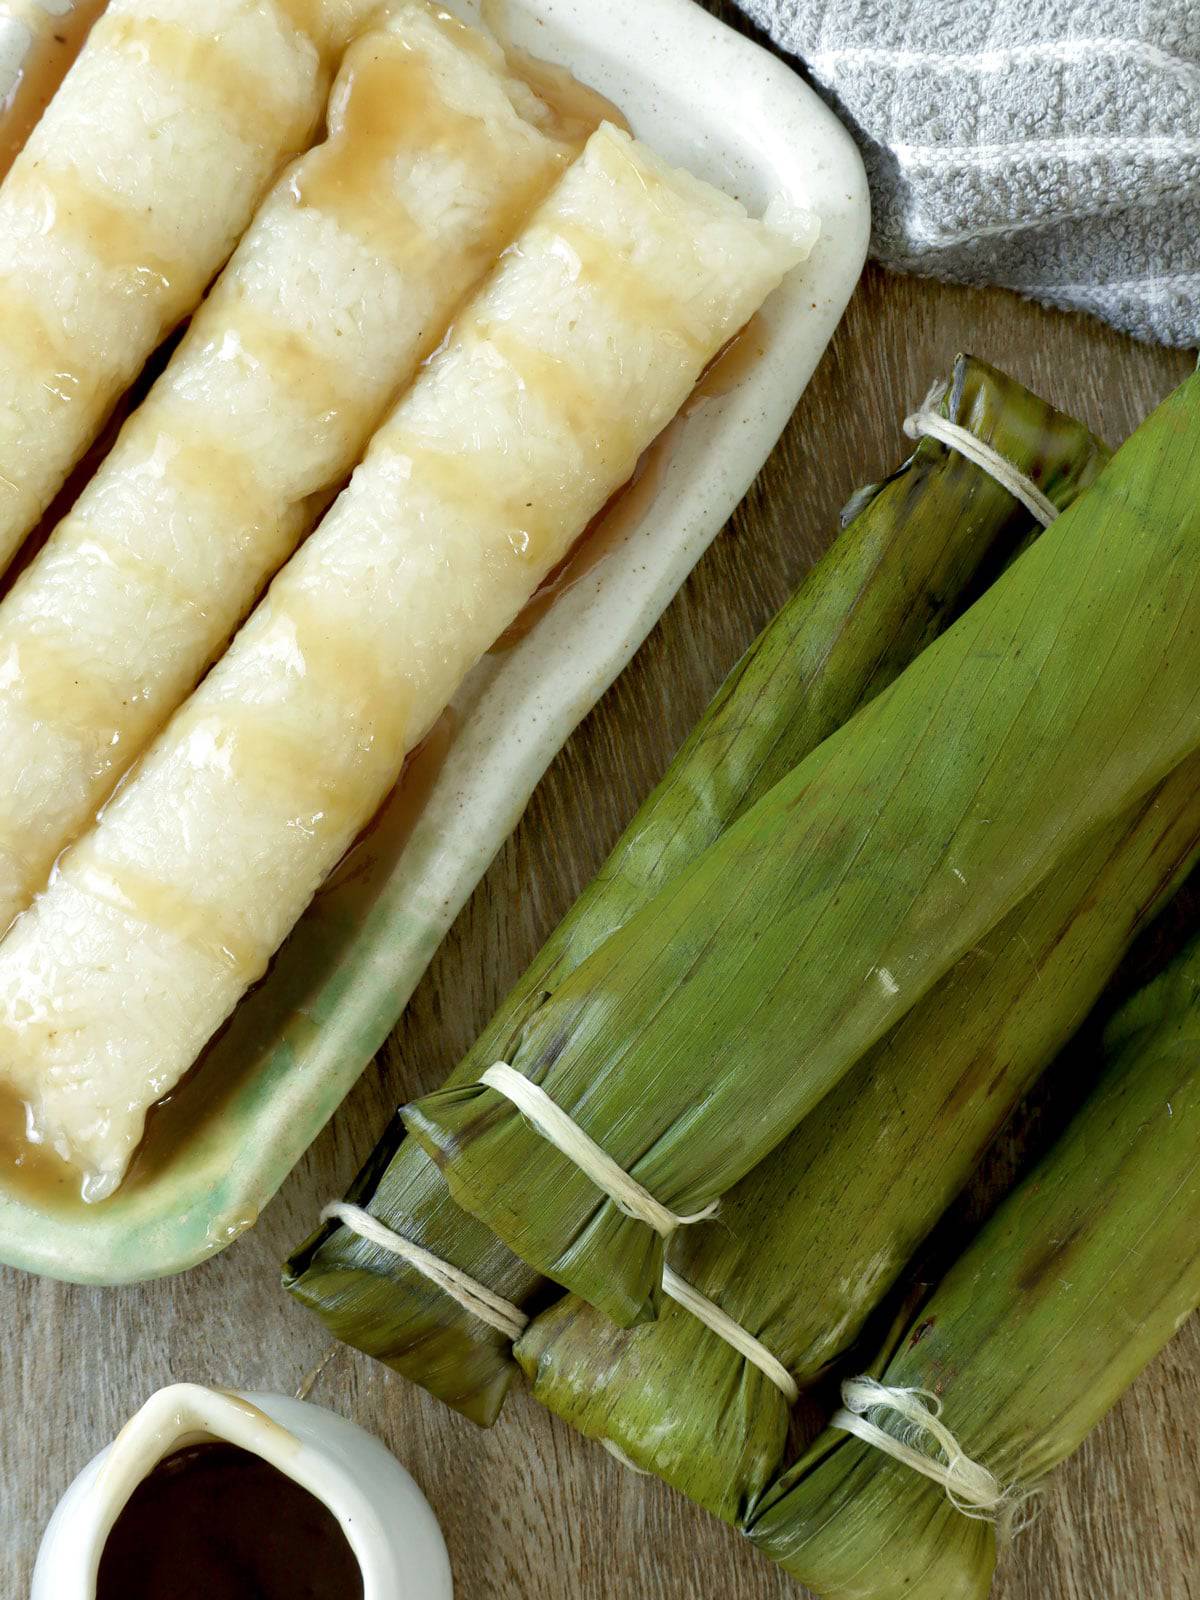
(384,1516)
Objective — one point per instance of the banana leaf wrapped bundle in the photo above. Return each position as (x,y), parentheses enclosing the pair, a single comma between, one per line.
(810,1242)
(685,1048)
(912,550)
(1079,1279)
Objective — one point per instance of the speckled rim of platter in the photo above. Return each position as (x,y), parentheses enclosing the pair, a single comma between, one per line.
(714,102)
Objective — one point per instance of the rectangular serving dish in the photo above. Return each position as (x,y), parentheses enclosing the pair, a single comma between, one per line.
(731,112)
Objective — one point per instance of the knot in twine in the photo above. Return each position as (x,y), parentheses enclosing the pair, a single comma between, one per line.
(929,423)
(927,1446)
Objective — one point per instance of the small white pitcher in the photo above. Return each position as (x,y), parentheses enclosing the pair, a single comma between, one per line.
(384,1516)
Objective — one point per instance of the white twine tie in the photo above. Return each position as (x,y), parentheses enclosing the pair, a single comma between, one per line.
(930,423)
(511,1321)
(474,1297)
(558,1129)
(723,1325)
(969,1486)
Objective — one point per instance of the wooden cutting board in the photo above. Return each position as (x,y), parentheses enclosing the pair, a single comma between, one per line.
(532,1512)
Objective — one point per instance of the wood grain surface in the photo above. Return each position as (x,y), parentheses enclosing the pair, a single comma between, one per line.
(529,1509)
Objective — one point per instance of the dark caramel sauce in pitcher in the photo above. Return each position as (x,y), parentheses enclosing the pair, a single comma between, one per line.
(215,1522)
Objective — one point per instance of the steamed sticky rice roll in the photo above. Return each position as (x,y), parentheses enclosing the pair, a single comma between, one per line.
(128,196)
(344,283)
(572,358)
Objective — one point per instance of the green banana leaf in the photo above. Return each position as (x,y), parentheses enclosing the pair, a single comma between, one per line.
(914,548)
(700,1033)
(1080,1278)
(810,1242)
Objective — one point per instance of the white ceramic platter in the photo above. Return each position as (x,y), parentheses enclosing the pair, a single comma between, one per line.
(714,102)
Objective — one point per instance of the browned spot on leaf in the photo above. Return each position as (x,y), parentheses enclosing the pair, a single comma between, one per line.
(1045,1262)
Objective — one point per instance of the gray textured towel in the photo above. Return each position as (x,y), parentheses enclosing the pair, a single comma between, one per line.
(1052,146)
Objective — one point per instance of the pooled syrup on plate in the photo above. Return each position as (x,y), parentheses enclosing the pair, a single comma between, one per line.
(733,362)
(31,1170)
(578,109)
(216,1522)
(54,44)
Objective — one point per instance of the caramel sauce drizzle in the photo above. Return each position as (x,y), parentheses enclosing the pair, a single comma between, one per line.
(273,758)
(274,1012)
(470,483)
(118,239)
(267,756)
(165,905)
(344,657)
(55,43)
(389,102)
(391,107)
(466,37)
(199,466)
(557,387)
(245,98)
(64,502)
(211,467)
(275,754)
(40,344)
(58,689)
(94,546)
(293,362)
(625,510)
(63,691)
(625,287)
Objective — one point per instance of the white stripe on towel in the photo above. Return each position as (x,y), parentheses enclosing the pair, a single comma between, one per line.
(1070,147)
(1062,52)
